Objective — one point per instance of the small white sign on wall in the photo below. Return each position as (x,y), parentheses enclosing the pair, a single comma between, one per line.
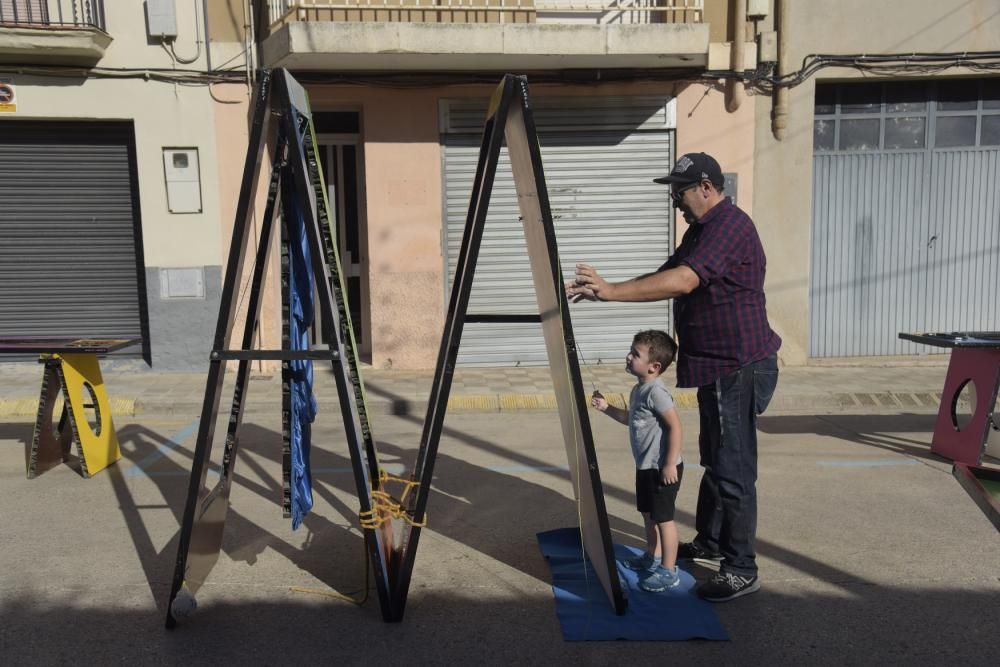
(183,178)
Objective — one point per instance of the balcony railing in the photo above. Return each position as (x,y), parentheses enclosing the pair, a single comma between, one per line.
(487,11)
(52,14)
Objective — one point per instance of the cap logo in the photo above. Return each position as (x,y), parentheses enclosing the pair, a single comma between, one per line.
(683,165)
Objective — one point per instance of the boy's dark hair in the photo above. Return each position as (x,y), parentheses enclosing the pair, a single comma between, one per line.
(662,348)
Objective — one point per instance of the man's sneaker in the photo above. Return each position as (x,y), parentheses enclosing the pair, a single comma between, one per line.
(691,551)
(660,580)
(644,563)
(725,586)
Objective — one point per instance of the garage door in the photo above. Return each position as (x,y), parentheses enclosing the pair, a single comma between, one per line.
(906,213)
(600,156)
(70,264)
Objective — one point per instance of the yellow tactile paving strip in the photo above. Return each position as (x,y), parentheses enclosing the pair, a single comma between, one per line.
(28,407)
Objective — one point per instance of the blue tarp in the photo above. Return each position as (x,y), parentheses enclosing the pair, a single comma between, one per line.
(300,320)
(585,613)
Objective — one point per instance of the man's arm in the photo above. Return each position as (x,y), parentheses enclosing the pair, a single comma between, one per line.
(657,286)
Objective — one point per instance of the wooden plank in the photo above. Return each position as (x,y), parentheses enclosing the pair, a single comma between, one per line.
(557,329)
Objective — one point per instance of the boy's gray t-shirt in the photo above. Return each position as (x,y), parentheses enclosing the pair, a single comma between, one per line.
(646,433)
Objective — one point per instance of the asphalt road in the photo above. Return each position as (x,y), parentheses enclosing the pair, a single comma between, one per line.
(869,551)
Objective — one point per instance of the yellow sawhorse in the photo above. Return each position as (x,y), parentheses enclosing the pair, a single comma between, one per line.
(78,378)
(73,370)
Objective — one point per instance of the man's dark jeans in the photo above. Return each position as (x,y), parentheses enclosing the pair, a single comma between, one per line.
(727,500)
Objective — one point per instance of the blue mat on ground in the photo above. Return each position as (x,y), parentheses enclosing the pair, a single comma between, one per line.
(586,614)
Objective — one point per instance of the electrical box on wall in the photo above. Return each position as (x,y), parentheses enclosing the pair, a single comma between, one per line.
(730,181)
(767,47)
(180,167)
(161,19)
(757,9)
(183,283)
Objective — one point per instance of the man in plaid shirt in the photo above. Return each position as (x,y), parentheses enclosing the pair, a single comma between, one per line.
(727,350)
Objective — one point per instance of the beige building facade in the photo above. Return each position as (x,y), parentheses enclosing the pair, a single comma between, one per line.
(114,227)
(914,282)
(407,78)
(850,174)
(855,256)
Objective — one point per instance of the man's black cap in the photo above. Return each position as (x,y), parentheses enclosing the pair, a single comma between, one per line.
(693,168)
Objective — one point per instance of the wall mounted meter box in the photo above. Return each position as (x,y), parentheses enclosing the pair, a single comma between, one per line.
(731,180)
(757,9)
(180,166)
(161,19)
(182,283)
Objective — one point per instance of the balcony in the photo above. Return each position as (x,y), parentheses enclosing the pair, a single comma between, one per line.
(485,35)
(52,32)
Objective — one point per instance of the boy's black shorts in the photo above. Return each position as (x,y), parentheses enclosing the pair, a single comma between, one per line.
(654,497)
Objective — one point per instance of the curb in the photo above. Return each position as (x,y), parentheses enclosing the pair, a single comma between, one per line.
(517,402)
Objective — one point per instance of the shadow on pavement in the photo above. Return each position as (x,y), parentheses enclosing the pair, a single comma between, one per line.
(867,625)
(879,431)
(820,570)
(243,540)
(496,515)
(476,507)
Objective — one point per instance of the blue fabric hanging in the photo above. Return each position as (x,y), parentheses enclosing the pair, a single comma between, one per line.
(300,319)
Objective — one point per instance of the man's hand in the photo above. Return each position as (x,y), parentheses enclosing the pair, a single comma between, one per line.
(575,295)
(599,402)
(588,284)
(668,474)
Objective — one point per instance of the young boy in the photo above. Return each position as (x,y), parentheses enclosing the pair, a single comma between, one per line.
(655,435)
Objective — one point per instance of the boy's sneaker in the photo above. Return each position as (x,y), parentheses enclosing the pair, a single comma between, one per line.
(644,563)
(725,586)
(691,551)
(660,580)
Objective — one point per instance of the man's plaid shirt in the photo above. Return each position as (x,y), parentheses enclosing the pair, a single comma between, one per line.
(722,325)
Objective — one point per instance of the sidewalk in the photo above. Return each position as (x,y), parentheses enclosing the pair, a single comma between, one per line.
(136,390)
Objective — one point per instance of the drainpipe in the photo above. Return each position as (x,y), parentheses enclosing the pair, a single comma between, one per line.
(780,118)
(208,44)
(734,87)
(249,41)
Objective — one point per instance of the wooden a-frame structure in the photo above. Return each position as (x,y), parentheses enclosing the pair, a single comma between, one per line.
(293,145)
(282,127)
(510,118)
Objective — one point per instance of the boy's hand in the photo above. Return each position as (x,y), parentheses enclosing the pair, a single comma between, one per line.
(598,401)
(668,474)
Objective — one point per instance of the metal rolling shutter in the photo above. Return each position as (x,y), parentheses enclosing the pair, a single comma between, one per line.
(68,252)
(600,156)
(904,238)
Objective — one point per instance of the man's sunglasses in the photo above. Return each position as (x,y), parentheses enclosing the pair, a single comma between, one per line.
(678,195)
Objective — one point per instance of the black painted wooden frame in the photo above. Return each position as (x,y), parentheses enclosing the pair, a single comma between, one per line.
(281,125)
(510,117)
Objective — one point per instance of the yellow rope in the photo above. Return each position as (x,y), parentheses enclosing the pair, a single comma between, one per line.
(385,507)
(330,594)
(341,596)
(409,484)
